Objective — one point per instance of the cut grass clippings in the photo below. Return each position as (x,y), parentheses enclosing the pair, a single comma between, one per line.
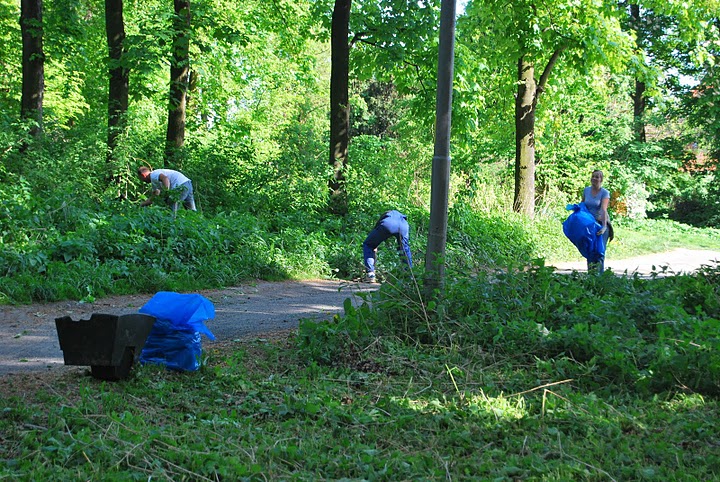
(255,411)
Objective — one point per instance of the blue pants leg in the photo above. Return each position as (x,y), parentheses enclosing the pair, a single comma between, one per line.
(373,240)
(599,264)
(188,197)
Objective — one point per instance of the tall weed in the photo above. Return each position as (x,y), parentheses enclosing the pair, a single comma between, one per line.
(648,335)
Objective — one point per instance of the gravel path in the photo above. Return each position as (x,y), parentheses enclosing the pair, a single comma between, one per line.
(28,338)
(672,262)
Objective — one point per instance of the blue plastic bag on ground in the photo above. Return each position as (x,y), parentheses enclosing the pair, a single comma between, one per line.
(175,337)
(581,229)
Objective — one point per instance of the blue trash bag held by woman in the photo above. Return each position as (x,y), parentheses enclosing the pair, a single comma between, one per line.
(581,229)
(175,338)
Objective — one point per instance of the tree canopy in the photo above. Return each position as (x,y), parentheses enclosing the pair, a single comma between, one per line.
(257,120)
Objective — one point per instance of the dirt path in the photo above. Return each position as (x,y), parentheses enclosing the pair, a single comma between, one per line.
(672,262)
(28,338)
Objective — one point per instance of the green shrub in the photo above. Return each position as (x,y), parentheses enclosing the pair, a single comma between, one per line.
(658,334)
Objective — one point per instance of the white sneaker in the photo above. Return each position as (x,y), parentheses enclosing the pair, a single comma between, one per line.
(370,278)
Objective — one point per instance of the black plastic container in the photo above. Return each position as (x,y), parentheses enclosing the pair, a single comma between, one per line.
(109,344)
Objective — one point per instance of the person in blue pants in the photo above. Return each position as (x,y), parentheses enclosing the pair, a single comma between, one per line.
(391,224)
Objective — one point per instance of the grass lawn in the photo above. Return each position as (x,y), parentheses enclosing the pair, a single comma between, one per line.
(257,412)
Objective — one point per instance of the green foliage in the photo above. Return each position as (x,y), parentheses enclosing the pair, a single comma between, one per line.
(384,175)
(481,241)
(10,57)
(220,166)
(256,147)
(327,343)
(75,76)
(375,109)
(605,332)
(61,245)
(656,167)
(125,250)
(697,203)
(579,127)
(606,373)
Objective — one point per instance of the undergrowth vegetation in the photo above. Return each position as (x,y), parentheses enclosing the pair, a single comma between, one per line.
(67,232)
(516,373)
(607,332)
(58,247)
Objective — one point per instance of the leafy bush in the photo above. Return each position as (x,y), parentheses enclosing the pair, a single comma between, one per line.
(386,175)
(480,240)
(148,250)
(652,335)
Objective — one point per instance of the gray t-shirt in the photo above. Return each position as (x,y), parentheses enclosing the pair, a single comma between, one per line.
(594,203)
(176,178)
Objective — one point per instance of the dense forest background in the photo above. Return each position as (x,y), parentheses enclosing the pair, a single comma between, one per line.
(299,122)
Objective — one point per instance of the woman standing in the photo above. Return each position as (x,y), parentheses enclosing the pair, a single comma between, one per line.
(596,199)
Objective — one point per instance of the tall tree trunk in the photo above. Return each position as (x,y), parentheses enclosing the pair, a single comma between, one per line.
(525,102)
(179,81)
(639,111)
(33,63)
(639,95)
(119,79)
(339,106)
